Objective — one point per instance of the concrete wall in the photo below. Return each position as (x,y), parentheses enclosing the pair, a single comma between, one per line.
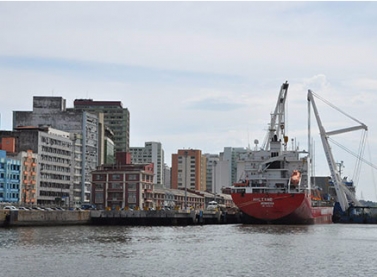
(2,217)
(44,218)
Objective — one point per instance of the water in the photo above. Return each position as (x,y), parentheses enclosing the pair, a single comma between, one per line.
(210,250)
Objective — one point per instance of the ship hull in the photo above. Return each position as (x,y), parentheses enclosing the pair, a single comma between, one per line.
(281,208)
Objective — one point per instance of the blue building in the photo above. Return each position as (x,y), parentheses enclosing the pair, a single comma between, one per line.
(9,178)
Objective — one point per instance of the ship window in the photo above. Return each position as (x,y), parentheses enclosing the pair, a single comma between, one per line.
(275,165)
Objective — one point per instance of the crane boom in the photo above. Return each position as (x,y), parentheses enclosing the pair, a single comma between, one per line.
(277,124)
(345,130)
(341,190)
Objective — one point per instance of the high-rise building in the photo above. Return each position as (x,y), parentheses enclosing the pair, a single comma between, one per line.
(29,177)
(52,167)
(116,118)
(188,170)
(109,147)
(218,173)
(88,138)
(152,152)
(212,161)
(231,155)
(167,176)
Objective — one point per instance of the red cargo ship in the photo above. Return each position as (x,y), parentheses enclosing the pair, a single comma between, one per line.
(275,186)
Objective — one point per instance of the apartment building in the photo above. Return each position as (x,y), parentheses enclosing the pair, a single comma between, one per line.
(152,152)
(116,118)
(29,177)
(53,165)
(231,159)
(9,178)
(211,166)
(188,170)
(88,141)
(109,146)
(167,176)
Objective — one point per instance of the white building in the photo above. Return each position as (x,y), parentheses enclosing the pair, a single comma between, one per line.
(54,174)
(231,156)
(218,173)
(88,143)
(152,152)
(167,176)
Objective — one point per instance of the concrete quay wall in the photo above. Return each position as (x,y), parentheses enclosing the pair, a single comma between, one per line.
(3,215)
(44,218)
(131,218)
(159,218)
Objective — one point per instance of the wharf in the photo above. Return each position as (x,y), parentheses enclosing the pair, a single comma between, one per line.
(101,217)
(43,218)
(162,218)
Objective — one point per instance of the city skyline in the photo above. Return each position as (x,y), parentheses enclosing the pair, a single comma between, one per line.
(198,75)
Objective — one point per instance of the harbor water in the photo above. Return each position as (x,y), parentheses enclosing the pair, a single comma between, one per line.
(209,250)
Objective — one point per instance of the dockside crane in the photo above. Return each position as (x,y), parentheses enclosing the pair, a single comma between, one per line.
(341,190)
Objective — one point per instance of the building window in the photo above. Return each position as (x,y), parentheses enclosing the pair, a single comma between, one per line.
(132,177)
(99,197)
(132,186)
(132,197)
(98,186)
(116,186)
(115,177)
(98,177)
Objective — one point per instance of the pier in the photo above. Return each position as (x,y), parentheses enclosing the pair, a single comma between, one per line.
(43,218)
(129,217)
(161,217)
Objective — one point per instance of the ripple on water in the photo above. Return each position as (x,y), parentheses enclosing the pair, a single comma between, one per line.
(210,250)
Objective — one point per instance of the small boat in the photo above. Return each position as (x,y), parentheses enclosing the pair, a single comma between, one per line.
(212,206)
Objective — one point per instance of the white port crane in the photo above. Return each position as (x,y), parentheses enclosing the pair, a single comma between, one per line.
(341,190)
(277,124)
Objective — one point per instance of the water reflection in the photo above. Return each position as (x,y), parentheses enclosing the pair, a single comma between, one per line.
(210,250)
(274,229)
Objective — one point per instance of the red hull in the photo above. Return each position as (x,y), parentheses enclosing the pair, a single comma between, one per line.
(281,208)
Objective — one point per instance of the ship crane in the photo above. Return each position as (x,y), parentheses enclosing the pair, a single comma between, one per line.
(341,190)
(277,123)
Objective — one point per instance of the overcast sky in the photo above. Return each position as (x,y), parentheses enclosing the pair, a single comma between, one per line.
(201,75)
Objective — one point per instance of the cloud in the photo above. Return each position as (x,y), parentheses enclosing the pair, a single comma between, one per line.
(206,37)
(204,75)
(214,104)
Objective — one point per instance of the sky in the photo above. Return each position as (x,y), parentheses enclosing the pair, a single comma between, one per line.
(201,75)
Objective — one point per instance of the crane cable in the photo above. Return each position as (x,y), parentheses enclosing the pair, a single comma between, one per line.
(336,108)
(372,172)
(359,155)
(353,153)
(357,169)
